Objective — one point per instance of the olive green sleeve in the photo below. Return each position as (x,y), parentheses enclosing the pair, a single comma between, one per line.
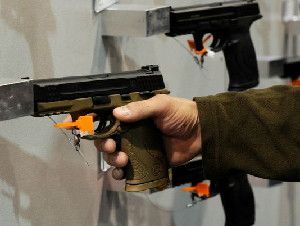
(256,132)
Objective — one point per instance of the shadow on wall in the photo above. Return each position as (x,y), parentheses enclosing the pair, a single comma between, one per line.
(44,193)
(264,30)
(120,208)
(168,208)
(268,27)
(34,20)
(128,209)
(118,61)
(136,209)
(100,52)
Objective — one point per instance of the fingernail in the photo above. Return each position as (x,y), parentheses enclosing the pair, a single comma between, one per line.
(123,111)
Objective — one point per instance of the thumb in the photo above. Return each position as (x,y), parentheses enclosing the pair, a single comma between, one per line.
(139,110)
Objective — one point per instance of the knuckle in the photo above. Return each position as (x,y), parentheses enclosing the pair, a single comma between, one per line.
(136,106)
(119,160)
(162,103)
(163,100)
(107,145)
(162,97)
(115,159)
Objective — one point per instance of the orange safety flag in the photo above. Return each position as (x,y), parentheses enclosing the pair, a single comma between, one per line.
(83,123)
(296,82)
(201,189)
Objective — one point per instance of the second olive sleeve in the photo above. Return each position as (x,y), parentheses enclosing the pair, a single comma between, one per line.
(256,132)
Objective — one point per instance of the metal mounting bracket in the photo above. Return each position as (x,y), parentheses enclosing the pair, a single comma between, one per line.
(135,20)
(100,5)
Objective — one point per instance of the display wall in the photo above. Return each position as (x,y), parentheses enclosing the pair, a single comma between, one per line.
(43,181)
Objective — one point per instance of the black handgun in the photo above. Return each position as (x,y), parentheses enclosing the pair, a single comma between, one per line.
(229,23)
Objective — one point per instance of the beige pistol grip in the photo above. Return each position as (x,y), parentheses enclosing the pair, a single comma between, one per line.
(147,167)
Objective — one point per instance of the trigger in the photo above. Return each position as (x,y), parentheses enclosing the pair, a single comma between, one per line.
(218,44)
(105,123)
(102,124)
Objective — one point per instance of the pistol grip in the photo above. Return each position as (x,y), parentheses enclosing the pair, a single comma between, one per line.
(147,167)
(237,199)
(241,61)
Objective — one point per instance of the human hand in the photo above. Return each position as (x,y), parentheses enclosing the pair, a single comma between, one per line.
(176,118)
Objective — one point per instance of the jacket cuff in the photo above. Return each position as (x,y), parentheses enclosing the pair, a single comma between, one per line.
(210,136)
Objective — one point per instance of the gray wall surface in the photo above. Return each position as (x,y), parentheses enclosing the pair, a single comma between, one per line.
(43,181)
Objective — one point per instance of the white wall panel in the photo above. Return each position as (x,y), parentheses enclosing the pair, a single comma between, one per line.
(42,180)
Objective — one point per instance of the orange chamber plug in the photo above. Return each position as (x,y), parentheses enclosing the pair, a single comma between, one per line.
(84,124)
(201,189)
(296,82)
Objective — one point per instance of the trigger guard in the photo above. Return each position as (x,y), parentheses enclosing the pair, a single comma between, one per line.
(215,43)
(106,133)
